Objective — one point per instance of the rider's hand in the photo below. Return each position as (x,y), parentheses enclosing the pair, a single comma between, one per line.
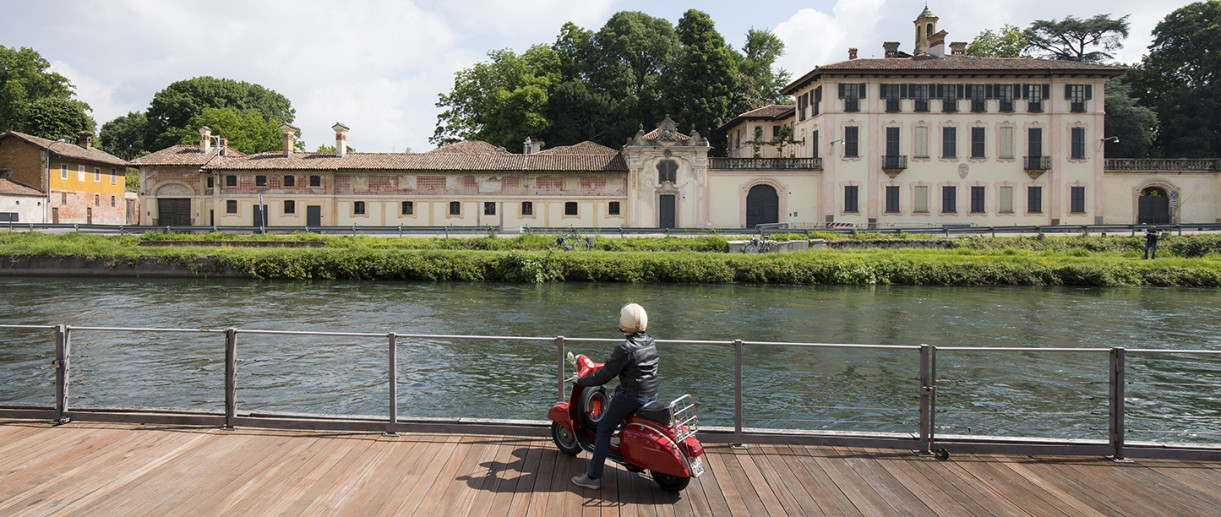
(573,379)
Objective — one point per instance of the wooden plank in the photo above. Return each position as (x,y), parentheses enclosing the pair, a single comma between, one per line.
(953,472)
(843,473)
(425,473)
(812,479)
(519,503)
(1141,488)
(762,486)
(1013,488)
(489,484)
(903,466)
(709,489)
(298,491)
(892,491)
(773,464)
(714,460)
(37,457)
(457,497)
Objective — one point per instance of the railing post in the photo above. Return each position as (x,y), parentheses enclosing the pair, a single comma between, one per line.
(1116,425)
(230,377)
(928,396)
(559,366)
(394,381)
(63,347)
(737,393)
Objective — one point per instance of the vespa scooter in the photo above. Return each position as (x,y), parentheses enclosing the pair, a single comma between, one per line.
(659,437)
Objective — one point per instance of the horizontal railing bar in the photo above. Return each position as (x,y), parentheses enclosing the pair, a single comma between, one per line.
(125,329)
(1019,349)
(33,327)
(1169,351)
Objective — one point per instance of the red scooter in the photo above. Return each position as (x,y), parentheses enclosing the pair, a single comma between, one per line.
(659,437)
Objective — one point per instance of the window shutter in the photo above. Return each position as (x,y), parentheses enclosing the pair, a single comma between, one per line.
(861,90)
(960,89)
(904,90)
(1046,91)
(841,90)
(1089,91)
(990,92)
(1068,92)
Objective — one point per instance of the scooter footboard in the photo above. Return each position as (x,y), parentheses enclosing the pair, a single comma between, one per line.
(648,445)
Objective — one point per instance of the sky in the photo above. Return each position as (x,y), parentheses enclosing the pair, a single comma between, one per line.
(378,66)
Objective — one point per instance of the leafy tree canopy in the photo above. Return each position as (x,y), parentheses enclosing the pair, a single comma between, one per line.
(1009,41)
(124,136)
(170,113)
(1132,123)
(37,101)
(246,129)
(1076,39)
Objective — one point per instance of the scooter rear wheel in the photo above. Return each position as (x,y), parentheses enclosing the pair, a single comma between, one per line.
(564,439)
(670,483)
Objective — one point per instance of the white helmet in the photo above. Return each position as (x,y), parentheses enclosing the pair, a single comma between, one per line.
(632,318)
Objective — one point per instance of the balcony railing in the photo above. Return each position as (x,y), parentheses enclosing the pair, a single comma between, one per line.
(811,164)
(894,161)
(1162,164)
(1037,163)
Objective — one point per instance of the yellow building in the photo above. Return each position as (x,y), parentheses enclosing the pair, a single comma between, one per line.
(80,184)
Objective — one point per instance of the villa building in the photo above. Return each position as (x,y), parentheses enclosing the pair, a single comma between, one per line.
(75,183)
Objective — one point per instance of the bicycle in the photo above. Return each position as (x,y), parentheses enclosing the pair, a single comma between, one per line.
(759,245)
(571,242)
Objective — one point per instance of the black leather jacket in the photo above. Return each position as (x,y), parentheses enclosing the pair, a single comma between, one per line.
(634,361)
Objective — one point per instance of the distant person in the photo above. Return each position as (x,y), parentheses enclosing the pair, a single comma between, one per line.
(1151,242)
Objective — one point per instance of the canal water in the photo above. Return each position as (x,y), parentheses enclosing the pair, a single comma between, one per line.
(1171,398)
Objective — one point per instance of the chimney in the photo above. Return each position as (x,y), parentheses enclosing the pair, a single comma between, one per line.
(892,48)
(85,139)
(205,139)
(530,146)
(958,48)
(341,139)
(222,144)
(289,132)
(852,53)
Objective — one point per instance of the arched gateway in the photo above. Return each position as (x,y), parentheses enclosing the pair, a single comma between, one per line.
(1153,207)
(762,206)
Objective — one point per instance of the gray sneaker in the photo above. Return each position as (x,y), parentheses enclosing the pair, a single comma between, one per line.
(587,482)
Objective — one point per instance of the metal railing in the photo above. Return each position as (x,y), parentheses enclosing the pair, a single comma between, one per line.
(1161,164)
(925,438)
(894,161)
(1036,163)
(813,164)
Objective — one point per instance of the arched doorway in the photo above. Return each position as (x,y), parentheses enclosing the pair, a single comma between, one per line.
(1153,207)
(762,206)
(173,205)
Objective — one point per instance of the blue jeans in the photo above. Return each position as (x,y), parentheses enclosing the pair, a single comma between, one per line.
(620,407)
(1151,247)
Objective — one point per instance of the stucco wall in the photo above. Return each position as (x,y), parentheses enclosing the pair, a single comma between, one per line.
(1196,196)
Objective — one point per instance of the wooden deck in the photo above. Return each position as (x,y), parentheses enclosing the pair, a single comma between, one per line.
(125,469)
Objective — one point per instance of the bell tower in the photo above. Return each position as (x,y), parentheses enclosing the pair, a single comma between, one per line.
(926,27)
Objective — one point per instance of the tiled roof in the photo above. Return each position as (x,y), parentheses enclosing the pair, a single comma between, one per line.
(954,65)
(183,155)
(581,148)
(656,134)
(67,150)
(17,188)
(594,161)
(469,147)
(771,112)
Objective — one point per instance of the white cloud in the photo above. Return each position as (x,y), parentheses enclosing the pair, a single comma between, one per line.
(813,37)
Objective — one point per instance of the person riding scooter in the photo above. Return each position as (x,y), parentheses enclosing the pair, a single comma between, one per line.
(635,362)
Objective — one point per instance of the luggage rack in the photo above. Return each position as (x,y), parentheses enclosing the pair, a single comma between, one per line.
(682,417)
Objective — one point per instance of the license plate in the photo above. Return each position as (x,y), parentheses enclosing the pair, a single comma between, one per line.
(697,467)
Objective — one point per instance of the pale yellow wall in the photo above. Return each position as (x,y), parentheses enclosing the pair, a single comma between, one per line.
(1198,201)
(798,193)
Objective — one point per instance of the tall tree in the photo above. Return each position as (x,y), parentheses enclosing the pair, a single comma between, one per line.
(501,101)
(1179,79)
(758,78)
(171,110)
(124,136)
(630,54)
(1076,39)
(245,129)
(1131,123)
(704,77)
(35,100)
(1009,41)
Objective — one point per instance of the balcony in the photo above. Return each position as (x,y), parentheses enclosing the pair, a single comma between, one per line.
(893,164)
(1036,165)
(1161,165)
(807,164)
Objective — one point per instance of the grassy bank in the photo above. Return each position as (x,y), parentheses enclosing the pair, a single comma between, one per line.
(1090,261)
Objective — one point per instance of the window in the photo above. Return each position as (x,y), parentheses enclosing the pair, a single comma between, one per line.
(570,208)
(949,95)
(97,174)
(1004,92)
(63,171)
(113,175)
(260,181)
(1034,200)
(290,207)
(920,199)
(802,103)
(817,100)
(290,181)
(315,181)
(775,132)
(891,94)
(612,208)
(919,92)
(63,198)
(977,142)
(979,101)
(892,199)
(80,173)
(850,195)
(1077,200)
(358,208)
(97,200)
(231,181)
(1076,95)
(455,208)
(1078,143)
(1004,141)
(949,142)
(667,171)
(1035,94)
(527,208)
(852,93)
(1006,200)
(111,201)
(408,208)
(211,182)
(851,134)
(231,206)
(814,144)
(949,199)
(977,200)
(920,142)
(489,208)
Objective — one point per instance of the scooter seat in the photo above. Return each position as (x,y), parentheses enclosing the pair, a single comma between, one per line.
(656,411)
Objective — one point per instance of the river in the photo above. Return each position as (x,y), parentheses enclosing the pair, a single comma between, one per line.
(1171,398)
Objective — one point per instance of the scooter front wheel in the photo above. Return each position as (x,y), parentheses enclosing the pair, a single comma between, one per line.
(670,483)
(564,439)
